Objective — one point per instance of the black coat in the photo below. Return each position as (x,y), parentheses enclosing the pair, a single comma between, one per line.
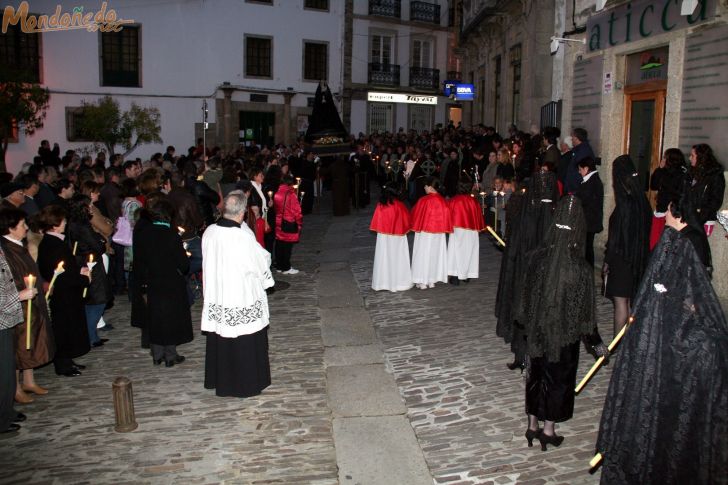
(706,194)
(207,199)
(669,186)
(591,194)
(91,242)
(160,266)
(187,212)
(68,314)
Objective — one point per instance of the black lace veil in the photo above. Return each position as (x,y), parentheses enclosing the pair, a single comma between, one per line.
(665,419)
(629,224)
(558,302)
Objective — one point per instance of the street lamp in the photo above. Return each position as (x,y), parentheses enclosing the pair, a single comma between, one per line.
(555,41)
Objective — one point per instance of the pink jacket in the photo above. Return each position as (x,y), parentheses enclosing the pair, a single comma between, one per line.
(287,195)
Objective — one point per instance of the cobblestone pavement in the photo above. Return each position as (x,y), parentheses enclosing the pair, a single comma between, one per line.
(186,434)
(465,407)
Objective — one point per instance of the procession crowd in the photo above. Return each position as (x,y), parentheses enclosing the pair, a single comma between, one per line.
(549,203)
(79,232)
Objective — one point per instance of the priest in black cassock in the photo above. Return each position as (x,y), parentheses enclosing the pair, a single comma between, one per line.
(236,273)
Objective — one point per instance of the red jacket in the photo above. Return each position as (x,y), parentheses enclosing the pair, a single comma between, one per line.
(391,219)
(431,214)
(286,195)
(465,213)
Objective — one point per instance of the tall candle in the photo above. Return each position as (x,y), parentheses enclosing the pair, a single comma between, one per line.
(90,265)
(59,270)
(30,284)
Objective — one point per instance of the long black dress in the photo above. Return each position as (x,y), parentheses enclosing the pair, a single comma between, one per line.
(68,314)
(628,242)
(558,311)
(664,418)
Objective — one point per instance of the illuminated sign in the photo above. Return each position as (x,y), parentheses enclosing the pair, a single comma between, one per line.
(401,98)
(459,91)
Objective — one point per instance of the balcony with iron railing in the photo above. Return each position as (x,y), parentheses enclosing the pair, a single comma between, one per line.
(383,74)
(424,78)
(385,8)
(425,12)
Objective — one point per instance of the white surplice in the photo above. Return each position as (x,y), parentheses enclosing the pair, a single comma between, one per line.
(391,264)
(429,258)
(463,254)
(235,272)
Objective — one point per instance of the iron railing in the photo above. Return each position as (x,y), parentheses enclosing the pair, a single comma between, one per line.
(425,12)
(384,74)
(385,8)
(424,78)
(454,76)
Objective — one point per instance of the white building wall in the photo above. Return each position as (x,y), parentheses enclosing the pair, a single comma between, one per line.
(188,50)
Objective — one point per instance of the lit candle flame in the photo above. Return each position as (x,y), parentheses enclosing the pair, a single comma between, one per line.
(59,268)
(91,258)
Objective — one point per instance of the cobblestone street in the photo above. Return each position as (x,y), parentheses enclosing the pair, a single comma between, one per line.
(436,349)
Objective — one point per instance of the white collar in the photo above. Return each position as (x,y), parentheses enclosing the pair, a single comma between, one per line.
(62,237)
(588,176)
(19,243)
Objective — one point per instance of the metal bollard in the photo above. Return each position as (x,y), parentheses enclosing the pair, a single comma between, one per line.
(123,405)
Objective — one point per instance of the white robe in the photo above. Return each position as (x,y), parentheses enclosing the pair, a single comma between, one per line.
(463,254)
(235,272)
(391,264)
(429,259)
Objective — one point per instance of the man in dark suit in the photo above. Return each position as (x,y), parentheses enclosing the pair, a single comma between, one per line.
(591,194)
(551,151)
(582,150)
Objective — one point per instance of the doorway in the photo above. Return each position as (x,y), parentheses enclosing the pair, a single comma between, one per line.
(258,126)
(644,126)
(455,114)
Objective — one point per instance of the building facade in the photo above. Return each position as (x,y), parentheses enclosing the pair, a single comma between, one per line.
(647,76)
(505,45)
(395,63)
(255,63)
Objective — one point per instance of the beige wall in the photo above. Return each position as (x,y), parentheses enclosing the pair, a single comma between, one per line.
(612,124)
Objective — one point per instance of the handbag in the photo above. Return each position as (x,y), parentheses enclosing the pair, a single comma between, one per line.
(123,234)
(289,227)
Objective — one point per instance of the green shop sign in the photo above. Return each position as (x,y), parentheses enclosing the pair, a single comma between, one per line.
(642,19)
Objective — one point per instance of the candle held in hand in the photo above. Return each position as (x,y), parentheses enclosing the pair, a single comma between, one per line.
(29,284)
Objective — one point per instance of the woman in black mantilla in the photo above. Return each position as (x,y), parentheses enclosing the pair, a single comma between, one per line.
(628,241)
(558,311)
(664,418)
(509,279)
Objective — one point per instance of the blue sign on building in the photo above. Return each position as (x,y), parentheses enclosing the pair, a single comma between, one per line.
(459,91)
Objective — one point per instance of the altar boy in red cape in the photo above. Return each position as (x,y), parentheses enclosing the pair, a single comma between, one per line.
(463,248)
(430,222)
(391,222)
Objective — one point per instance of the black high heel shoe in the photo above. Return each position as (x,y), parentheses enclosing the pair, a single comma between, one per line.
(549,440)
(531,434)
(517,365)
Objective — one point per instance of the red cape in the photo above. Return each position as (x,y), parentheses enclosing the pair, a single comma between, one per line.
(431,214)
(391,219)
(466,213)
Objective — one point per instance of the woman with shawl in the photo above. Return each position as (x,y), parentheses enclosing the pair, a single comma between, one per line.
(391,222)
(558,311)
(664,418)
(627,251)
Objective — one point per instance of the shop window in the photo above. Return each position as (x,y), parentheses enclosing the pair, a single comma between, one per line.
(420,118)
(380,117)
